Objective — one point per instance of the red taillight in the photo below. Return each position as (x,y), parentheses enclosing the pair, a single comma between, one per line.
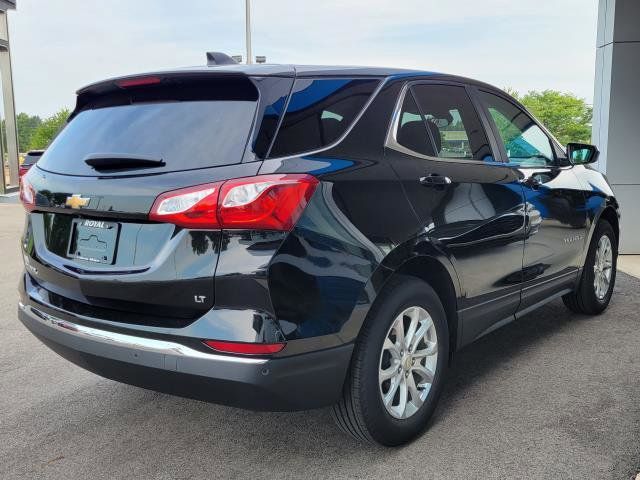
(264,202)
(27,194)
(22,170)
(138,81)
(193,207)
(243,348)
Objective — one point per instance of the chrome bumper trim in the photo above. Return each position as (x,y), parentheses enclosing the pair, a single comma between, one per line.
(173,353)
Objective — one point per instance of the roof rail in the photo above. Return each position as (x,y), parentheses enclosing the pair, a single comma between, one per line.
(219,58)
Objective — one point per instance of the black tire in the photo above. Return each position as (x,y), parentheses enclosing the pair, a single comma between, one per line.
(361,412)
(584,299)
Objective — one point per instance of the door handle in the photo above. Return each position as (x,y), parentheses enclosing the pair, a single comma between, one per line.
(433,179)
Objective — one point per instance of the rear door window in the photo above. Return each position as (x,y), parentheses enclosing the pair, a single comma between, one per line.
(184,134)
(412,132)
(452,122)
(319,112)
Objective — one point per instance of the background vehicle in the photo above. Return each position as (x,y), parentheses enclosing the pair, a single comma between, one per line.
(288,237)
(29,161)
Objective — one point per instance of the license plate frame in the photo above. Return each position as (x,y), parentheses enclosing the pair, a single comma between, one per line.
(93,241)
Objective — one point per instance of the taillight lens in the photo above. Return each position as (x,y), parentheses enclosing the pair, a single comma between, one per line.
(22,170)
(264,202)
(27,194)
(193,207)
(243,348)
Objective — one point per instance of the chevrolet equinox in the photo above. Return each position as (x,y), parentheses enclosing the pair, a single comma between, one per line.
(280,237)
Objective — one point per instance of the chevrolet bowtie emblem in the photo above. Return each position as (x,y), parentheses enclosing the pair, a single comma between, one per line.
(77,201)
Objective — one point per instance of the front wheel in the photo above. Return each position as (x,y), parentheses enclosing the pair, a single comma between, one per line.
(398,367)
(594,291)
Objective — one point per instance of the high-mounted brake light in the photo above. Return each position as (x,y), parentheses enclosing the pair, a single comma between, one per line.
(263,202)
(27,194)
(243,348)
(138,81)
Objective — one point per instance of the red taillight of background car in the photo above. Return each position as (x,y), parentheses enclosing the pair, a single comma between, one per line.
(244,348)
(27,194)
(22,170)
(263,202)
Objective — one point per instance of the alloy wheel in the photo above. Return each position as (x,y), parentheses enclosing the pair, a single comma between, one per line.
(602,267)
(408,362)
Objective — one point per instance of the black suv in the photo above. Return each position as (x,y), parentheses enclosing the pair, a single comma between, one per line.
(282,237)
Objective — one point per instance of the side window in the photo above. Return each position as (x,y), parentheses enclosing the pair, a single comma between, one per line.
(412,132)
(524,141)
(453,124)
(319,111)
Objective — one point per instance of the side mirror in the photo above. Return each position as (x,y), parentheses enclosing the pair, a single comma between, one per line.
(582,153)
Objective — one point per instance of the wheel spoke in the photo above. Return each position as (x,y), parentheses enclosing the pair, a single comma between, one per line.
(398,329)
(425,325)
(431,349)
(424,373)
(388,373)
(416,400)
(392,348)
(414,316)
(395,383)
(402,400)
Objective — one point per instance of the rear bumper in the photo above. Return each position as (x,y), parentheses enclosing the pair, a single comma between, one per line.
(300,382)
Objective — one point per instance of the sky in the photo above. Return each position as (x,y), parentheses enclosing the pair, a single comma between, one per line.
(59,46)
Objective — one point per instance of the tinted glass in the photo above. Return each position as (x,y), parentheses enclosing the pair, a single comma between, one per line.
(452,122)
(412,130)
(185,135)
(319,112)
(524,141)
(31,158)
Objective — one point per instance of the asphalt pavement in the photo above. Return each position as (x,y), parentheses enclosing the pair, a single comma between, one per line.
(553,395)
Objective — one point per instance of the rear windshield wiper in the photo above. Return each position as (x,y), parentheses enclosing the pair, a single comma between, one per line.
(121,161)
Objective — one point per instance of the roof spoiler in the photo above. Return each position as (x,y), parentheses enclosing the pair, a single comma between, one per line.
(219,58)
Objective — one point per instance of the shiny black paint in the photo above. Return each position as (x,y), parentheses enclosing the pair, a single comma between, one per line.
(494,243)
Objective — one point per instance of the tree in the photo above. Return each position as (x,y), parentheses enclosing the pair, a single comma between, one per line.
(27,125)
(565,115)
(48,129)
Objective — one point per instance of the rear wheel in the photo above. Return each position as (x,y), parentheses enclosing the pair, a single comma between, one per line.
(593,294)
(398,366)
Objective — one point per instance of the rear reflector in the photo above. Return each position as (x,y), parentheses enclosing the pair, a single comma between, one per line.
(138,81)
(243,348)
(263,202)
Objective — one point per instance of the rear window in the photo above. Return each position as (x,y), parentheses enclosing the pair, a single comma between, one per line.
(319,112)
(184,134)
(31,157)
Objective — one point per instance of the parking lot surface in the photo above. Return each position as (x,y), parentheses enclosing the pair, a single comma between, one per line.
(553,395)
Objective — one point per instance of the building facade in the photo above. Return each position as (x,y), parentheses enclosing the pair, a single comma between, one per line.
(616,130)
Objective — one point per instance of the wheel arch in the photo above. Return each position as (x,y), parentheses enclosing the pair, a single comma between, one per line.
(611,215)
(435,270)
(436,275)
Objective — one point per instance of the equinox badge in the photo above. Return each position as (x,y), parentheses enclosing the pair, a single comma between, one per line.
(77,201)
